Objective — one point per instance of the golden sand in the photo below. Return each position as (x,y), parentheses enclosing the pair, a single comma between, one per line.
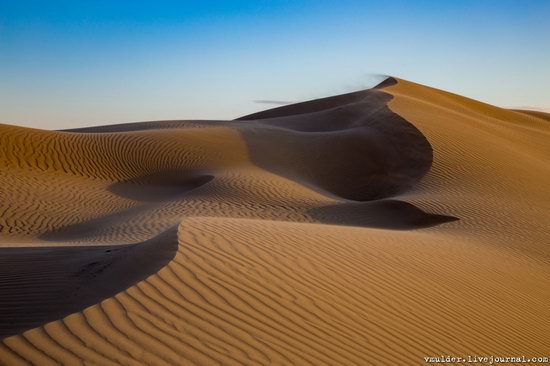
(377,227)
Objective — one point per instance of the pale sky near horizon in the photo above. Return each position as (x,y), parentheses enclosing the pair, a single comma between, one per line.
(66,64)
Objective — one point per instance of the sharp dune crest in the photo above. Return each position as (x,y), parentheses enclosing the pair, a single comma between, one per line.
(375,227)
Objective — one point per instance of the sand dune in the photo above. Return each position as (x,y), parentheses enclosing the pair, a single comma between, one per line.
(375,227)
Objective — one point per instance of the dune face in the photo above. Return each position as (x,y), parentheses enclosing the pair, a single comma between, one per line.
(376,227)
(342,150)
(54,282)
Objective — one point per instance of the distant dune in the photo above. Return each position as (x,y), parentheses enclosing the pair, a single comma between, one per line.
(371,228)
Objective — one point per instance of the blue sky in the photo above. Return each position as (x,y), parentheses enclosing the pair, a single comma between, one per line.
(75,63)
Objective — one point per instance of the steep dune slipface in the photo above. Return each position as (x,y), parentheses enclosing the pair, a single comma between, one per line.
(42,284)
(306,234)
(351,145)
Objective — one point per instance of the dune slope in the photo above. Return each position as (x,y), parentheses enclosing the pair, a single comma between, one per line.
(376,227)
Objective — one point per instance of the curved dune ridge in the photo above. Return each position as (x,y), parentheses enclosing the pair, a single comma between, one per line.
(375,227)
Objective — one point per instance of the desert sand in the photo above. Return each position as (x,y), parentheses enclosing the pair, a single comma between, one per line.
(372,228)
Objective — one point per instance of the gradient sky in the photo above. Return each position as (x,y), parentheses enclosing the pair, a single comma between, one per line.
(75,63)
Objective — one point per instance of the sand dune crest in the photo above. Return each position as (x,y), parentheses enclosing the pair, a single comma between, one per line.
(376,227)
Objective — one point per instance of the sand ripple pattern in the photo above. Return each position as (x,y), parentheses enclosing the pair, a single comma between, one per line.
(371,228)
(264,292)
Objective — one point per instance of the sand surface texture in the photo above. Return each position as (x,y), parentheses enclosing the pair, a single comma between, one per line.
(371,228)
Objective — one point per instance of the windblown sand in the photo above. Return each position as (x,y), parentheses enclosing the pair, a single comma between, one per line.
(371,228)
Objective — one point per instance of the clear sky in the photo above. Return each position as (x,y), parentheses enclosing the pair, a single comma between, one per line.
(71,63)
